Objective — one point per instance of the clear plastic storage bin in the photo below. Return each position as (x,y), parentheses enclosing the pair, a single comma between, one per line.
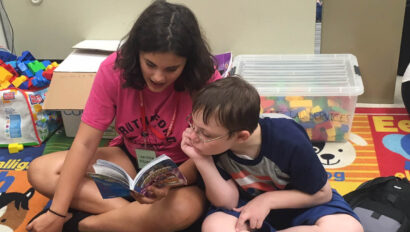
(318,91)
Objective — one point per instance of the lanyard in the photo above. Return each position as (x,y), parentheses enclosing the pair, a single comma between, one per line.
(157,133)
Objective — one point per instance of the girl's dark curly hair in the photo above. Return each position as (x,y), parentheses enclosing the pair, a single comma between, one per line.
(166,27)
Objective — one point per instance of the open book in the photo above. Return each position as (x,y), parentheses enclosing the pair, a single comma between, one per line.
(113,181)
(224,63)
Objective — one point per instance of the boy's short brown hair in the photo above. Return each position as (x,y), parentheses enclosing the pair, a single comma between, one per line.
(234,102)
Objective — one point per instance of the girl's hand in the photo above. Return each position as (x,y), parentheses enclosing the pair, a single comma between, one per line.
(154,193)
(48,222)
(254,213)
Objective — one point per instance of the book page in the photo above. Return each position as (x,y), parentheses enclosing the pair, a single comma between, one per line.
(153,162)
(161,171)
(112,170)
(110,187)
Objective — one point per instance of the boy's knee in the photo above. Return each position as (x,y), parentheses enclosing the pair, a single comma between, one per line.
(208,226)
(212,223)
(356,227)
(339,222)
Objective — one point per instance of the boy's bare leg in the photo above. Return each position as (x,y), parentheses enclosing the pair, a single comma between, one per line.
(220,221)
(44,172)
(178,210)
(330,223)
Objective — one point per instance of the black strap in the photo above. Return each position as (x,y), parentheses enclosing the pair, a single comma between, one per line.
(352,197)
(371,184)
(405,226)
(55,213)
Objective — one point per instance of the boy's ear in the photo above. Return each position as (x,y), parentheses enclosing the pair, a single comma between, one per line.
(242,136)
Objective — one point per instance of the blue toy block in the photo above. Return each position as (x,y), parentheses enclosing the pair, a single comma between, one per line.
(294,113)
(25,56)
(22,67)
(39,74)
(39,80)
(36,82)
(24,85)
(13,63)
(344,128)
(7,56)
(27,73)
(46,63)
(322,115)
(307,124)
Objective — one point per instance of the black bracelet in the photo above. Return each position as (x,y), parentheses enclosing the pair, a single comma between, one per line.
(55,213)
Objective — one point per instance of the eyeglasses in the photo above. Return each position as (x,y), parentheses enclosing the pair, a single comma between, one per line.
(202,138)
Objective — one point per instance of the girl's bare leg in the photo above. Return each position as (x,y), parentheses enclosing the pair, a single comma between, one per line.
(178,210)
(44,172)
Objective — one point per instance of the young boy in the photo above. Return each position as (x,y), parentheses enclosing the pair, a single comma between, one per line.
(264,174)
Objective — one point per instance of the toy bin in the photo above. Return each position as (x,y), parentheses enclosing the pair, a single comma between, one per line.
(318,91)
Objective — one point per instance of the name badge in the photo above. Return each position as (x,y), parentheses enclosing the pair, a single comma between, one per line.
(144,157)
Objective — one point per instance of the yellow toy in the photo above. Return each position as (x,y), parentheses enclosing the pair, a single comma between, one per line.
(15,147)
(19,80)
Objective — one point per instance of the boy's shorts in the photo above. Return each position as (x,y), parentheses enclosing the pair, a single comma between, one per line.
(285,218)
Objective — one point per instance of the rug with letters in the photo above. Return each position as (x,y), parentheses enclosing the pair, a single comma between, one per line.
(19,202)
(379,145)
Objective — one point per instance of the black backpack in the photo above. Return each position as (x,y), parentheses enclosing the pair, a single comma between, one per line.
(382,204)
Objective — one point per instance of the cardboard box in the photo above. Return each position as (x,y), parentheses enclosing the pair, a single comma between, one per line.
(72,81)
(71,121)
(318,91)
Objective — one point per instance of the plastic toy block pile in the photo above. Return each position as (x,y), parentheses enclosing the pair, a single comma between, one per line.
(324,118)
(24,72)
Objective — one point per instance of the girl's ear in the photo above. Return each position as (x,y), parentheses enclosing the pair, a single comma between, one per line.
(242,136)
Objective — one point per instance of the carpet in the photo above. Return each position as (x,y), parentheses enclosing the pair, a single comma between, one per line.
(18,200)
(379,145)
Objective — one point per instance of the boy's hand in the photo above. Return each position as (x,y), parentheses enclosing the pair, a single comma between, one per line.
(254,213)
(187,147)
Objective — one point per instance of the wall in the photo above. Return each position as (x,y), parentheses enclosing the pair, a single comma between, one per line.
(50,29)
(371,30)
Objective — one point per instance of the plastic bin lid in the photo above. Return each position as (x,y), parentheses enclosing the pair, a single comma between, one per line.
(302,74)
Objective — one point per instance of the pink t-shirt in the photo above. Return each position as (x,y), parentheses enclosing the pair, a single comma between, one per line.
(108,100)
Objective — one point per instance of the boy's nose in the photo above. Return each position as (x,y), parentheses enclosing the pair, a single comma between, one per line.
(194,137)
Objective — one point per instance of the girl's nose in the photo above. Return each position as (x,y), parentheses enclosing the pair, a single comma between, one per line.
(158,77)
